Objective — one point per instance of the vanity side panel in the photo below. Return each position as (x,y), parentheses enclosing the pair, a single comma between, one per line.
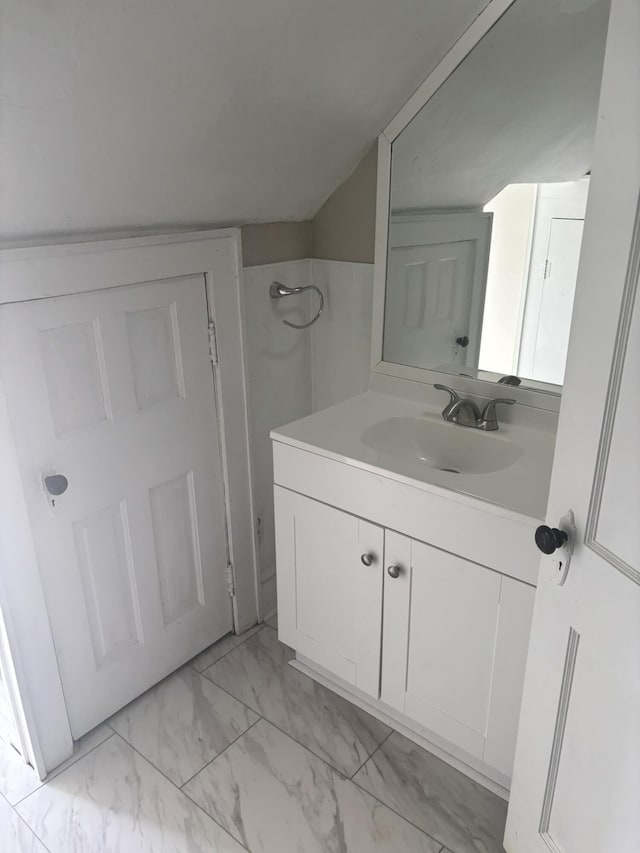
(489,536)
(284,510)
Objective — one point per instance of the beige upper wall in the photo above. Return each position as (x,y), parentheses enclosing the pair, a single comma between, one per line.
(273,242)
(342,230)
(344,227)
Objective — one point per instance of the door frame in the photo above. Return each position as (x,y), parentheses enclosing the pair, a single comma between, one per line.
(545,211)
(30,272)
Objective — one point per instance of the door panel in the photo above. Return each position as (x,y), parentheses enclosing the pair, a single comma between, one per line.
(72,357)
(332,601)
(108,582)
(114,390)
(155,351)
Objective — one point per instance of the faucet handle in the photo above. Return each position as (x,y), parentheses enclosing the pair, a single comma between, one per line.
(454,394)
(489,412)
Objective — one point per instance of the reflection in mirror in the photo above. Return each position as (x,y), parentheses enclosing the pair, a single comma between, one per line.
(489,186)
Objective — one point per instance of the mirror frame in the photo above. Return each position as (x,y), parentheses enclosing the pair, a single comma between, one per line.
(539,399)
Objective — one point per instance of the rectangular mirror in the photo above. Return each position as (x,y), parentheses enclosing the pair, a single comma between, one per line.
(489,185)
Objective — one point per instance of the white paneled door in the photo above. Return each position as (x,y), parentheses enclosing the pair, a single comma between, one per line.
(437,273)
(576,779)
(113,399)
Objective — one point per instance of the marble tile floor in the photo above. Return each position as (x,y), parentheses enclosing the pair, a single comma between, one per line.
(237,752)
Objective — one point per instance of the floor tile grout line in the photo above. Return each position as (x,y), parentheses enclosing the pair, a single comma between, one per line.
(261,627)
(229,693)
(282,731)
(396,812)
(222,751)
(379,746)
(205,812)
(342,773)
(22,820)
(55,773)
(179,790)
(32,830)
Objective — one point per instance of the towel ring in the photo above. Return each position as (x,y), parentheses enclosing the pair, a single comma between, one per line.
(278,290)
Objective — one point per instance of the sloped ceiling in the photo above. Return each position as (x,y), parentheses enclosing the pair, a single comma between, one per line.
(137,113)
(521,108)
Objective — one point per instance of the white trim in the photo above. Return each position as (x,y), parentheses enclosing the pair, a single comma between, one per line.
(383,191)
(550,400)
(275,264)
(94,242)
(465,44)
(28,273)
(29,747)
(526,277)
(44,271)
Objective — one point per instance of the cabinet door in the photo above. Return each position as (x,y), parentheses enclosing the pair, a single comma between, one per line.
(512,645)
(329,601)
(449,632)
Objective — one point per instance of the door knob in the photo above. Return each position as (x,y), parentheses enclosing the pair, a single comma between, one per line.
(394,571)
(463,341)
(548,539)
(56,484)
(367,559)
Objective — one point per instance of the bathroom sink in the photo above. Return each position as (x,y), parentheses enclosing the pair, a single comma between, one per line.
(442,446)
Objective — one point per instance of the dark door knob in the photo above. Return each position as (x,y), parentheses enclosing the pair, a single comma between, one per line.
(56,484)
(463,341)
(550,538)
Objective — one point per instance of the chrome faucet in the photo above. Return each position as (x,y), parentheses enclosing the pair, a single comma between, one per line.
(462,411)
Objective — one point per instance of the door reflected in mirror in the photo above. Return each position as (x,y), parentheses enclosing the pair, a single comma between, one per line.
(489,186)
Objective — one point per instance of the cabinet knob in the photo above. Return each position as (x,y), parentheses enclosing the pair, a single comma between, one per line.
(394,571)
(367,559)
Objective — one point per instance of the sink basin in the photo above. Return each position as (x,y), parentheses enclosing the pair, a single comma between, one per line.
(443,446)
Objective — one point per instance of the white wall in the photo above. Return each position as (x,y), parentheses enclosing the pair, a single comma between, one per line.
(294,372)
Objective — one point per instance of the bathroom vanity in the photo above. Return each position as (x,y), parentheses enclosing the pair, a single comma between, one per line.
(407,568)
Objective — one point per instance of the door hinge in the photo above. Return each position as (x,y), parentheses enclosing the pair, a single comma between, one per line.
(231,586)
(546,268)
(213,343)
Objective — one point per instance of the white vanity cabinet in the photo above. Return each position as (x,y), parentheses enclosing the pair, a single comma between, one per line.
(430,640)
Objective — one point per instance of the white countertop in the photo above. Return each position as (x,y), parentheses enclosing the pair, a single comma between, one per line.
(336,433)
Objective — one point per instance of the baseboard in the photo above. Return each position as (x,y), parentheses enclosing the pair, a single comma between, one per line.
(393,719)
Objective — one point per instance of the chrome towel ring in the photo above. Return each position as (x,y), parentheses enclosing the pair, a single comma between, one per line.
(278,290)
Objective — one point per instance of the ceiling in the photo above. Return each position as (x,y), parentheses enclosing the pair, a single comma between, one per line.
(143,113)
(521,108)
